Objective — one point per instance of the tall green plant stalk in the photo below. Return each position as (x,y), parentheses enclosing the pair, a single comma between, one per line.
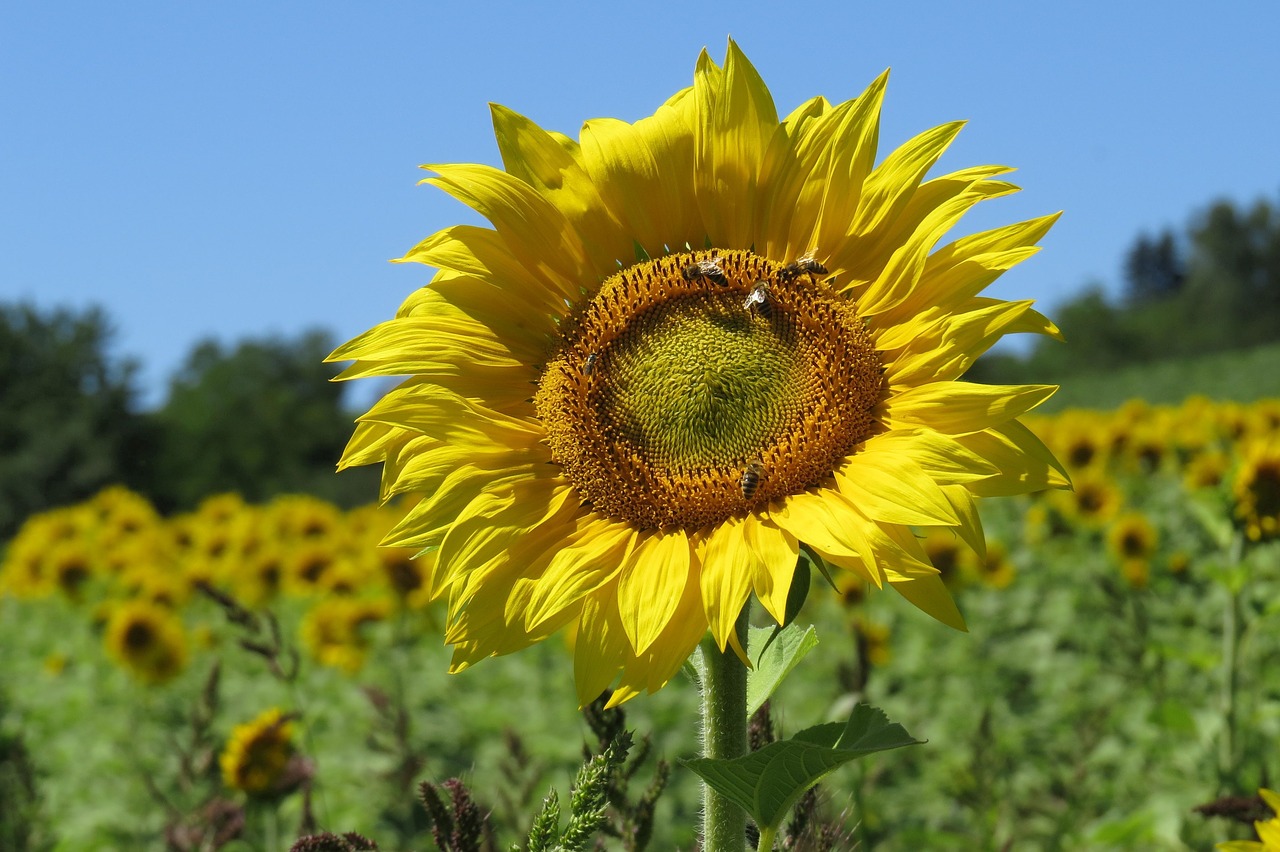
(1232,630)
(724,737)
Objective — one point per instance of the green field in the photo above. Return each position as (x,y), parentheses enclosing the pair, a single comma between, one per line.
(1230,376)
(1097,699)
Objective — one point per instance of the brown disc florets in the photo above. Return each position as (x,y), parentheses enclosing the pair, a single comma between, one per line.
(701,385)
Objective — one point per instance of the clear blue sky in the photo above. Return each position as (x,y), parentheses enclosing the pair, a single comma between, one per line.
(240,168)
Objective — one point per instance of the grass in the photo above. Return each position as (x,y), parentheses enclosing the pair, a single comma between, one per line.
(1241,376)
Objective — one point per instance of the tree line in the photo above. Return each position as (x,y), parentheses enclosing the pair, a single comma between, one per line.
(259,418)
(1214,286)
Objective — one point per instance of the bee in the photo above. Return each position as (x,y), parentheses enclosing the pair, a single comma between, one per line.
(590,364)
(751,479)
(708,269)
(758,299)
(804,265)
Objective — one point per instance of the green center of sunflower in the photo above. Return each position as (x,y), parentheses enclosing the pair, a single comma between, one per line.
(700,385)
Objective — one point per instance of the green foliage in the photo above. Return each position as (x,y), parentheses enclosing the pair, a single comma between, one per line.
(1241,376)
(768,782)
(68,426)
(19,823)
(260,419)
(587,803)
(1214,289)
(774,653)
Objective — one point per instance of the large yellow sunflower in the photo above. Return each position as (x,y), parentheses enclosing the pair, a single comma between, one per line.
(687,346)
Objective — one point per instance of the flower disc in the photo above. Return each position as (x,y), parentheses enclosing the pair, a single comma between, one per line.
(699,385)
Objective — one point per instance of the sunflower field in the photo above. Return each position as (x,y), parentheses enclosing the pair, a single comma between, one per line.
(707,360)
(226,678)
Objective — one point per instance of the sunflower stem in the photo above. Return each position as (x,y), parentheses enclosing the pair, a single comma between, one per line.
(724,737)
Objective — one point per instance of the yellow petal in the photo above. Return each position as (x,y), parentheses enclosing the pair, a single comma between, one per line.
(948,349)
(650,586)
(863,257)
(900,277)
(735,120)
(538,235)
(959,408)
(970,526)
(728,564)
(442,414)
(962,269)
(776,554)
(1025,463)
(402,347)
(942,457)
(428,521)
(930,595)
(889,187)
(553,168)
(637,169)
(834,189)
(483,254)
(889,553)
(487,527)
(370,443)
(887,485)
(592,557)
(601,645)
(818,517)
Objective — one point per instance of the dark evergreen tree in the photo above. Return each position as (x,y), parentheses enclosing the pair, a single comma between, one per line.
(1153,269)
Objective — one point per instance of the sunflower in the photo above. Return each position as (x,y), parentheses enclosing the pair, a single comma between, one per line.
(1093,501)
(257,753)
(147,640)
(333,630)
(687,346)
(1257,489)
(994,569)
(1131,536)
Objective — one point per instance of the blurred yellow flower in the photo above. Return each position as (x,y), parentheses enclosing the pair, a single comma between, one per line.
(1257,489)
(257,754)
(333,631)
(147,640)
(1131,536)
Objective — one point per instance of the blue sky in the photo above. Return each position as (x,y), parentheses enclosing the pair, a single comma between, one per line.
(239,168)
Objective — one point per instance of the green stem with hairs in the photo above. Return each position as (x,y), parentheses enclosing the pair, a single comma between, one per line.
(724,737)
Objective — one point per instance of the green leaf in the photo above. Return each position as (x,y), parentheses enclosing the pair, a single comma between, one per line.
(1212,516)
(799,591)
(775,652)
(1174,717)
(817,562)
(767,783)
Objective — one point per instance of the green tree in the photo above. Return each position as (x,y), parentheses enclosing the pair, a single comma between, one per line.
(68,424)
(1153,269)
(1233,284)
(260,419)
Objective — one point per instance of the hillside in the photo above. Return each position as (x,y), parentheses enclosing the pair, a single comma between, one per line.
(1240,376)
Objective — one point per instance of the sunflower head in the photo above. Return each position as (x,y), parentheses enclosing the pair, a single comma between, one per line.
(147,640)
(686,346)
(1256,490)
(1132,537)
(257,755)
